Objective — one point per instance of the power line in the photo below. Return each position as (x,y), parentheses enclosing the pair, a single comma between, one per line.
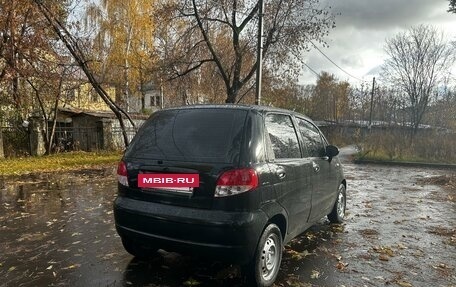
(313,71)
(329,59)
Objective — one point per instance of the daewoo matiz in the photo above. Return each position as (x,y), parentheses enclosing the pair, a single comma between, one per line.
(230,182)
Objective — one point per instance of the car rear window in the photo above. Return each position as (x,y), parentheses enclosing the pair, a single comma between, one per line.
(201,135)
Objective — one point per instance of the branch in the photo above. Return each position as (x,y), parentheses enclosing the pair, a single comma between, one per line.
(178,75)
(217,20)
(209,46)
(246,92)
(249,17)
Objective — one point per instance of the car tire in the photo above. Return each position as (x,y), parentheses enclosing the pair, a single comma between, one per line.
(138,250)
(263,269)
(337,214)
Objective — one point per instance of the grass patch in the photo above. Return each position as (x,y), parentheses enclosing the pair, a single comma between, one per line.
(57,162)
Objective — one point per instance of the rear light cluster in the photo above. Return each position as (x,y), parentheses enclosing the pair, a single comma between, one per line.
(236,181)
(122,175)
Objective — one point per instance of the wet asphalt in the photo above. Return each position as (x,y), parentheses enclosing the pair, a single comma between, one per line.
(58,230)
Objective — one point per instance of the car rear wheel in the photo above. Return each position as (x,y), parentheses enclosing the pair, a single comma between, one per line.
(263,270)
(337,214)
(138,250)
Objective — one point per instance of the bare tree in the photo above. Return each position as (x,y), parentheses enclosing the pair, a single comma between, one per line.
(223,34)
(418,60)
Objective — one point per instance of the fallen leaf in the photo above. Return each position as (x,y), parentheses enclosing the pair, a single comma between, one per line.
(341,265)
(401,246)
(72,266)
(383,257)
(12,268)
(49,268)
(315,274)
(299,255)
(442,266)
(192,282)
(404,283)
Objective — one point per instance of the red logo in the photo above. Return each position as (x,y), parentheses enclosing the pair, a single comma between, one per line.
(168,180)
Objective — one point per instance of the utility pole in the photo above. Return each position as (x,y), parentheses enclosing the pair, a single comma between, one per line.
(372,102)
(259,53)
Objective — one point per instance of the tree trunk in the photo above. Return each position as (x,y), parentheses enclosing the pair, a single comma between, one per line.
(2,154)
(232,94)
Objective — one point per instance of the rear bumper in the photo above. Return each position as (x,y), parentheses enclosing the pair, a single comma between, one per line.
(227,236)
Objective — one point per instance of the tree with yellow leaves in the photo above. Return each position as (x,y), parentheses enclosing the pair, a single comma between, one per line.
(123,44)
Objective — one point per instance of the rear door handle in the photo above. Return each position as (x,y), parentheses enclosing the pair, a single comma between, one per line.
(315,166)
(281,172)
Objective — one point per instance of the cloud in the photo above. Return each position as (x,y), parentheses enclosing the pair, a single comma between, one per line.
(362,26)
(385,14)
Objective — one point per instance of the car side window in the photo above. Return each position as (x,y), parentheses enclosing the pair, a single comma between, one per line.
(282,136)
(312,138)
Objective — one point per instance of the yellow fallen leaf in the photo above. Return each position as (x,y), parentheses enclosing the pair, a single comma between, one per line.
(315,274)
(192,282)
(383,257)
(404,283)
(72,266)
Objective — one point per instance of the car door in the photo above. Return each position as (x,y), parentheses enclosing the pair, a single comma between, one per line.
(321,176)
(290,169)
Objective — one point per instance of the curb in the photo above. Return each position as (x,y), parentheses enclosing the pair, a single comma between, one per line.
(406,163)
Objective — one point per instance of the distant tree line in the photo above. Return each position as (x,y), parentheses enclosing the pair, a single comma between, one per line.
(415,87)
(205,52)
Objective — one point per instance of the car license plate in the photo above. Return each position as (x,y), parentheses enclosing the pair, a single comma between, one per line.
(169,181)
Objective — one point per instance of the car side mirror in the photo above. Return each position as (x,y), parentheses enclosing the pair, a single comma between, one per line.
(331,151)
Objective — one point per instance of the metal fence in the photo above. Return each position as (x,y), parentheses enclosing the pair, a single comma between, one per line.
(19,141)
(78,138)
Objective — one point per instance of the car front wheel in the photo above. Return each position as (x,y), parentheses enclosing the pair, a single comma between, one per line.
(337,214)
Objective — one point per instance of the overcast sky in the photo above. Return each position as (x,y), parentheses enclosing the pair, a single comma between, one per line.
(357,43)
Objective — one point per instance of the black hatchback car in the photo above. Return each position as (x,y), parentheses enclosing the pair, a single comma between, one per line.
(230,182)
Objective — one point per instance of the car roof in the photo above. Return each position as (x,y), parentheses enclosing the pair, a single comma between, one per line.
(258,108)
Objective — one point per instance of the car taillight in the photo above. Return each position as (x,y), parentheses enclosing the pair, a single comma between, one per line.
(236,181)
(122,175)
